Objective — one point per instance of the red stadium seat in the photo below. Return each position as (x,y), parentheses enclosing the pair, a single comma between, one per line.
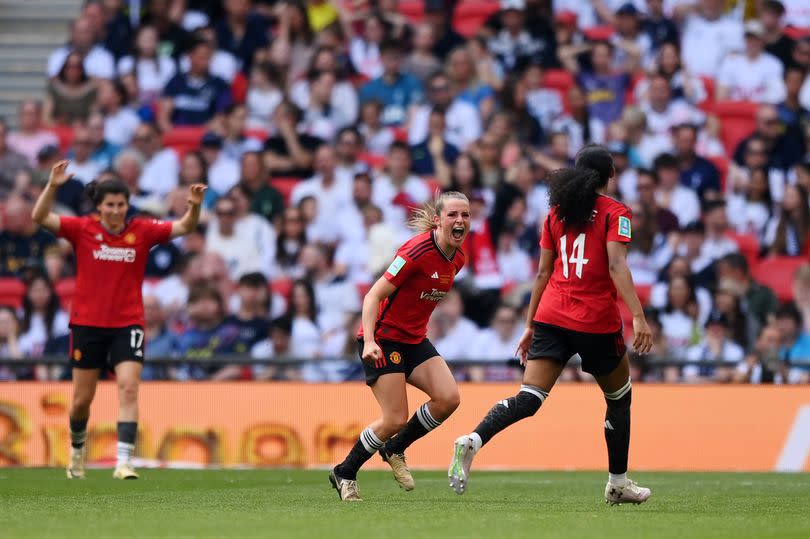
(362,289)
(239,88)
(400,134)
(707,103)
(737,121)
(259,134)
(285,186)
(796,33)
(644,291)
(558,79)
(433,185)
(12,291)
(598,33)
(749,247)
(282,287)
(372,159)
(470,15)
(65,289)
(65,135)
(413,10)
(777,273)
(721,162)
(183,139)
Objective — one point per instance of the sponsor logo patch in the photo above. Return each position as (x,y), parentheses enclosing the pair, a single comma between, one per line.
(433,295)
(114,254)
(625,228)
(396,265)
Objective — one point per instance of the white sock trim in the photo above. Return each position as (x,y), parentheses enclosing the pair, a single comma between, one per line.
(427,420)
(534,390)
(617,479)
(124,452)
(370,440)
(621,392)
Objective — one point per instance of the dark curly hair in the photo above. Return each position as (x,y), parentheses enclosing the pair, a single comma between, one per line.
(573,191)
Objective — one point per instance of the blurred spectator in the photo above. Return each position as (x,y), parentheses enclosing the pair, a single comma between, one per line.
(649,251)
(70,95)
(236,139)
(81,164)
(306,336)
(98,62)
(658,27)
(291,239)
(714,346)
(293,41)
(483,283)
(604,88)
(399,92)
(289,153)
(496,342)
(206,336)
(114,29)
(422,62)
(581,126)
(750,209)
(161,166)
(342,95)
(9,347)
(242,32)
(634,47)
(223,64)
(196,97)
(31,138)
(488,71)
(697,173)
(41,318)
(787,233)
(321,118)
(265,200)
(254,306)
(193,169)
(682,84)
(757,299)
(754,76)
(158,339)
(172,290)
(582,14)
(525,128)
(11,163)
(439,14)
(791,112)
(708,36)
(348,147)
(467,85)
(398,191)
(663,112)
(435,154)
(172,38)
(666,221)
(743,326)
(23,244)
(679,317)
(152,69)
(671,194)
(781,152)
(463,123)
(459,331)
(794,343)
(264,94)
(104,151)
(763,365)
(223,170)
(717,242)
(365,50)
(378,137)
(277,345)
(756,157)
(514,263)
(514,46)
(771,15)
(120,121)
(544,104)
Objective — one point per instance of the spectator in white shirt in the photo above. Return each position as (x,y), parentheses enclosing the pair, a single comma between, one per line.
(162,167)
(348,145)
(662,112)
(98,62)
(322,119)
(497,342)
(223,171)
(81,165)
(708,37)
(31,138)
(306,335)
(398,191)
(223,64)
(680,200)
(633,47)
(459,331)
(343,95)
(715,346)
(120,121)
(462,120)
(754,76)
(515,264)
(716,244)
(152,71)
(544,104)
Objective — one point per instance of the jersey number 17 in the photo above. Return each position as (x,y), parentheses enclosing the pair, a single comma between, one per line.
(577,258)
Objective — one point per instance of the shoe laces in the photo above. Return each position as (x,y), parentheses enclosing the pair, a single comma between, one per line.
(350,487)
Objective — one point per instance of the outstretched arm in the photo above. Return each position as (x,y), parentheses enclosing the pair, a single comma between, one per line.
(42,213)
(191,218)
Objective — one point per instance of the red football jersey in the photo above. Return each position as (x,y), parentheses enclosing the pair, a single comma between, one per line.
(110,268)
(422,275)
(580,295)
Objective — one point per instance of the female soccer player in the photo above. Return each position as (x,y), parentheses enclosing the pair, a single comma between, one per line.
(573,311)
(106,316)
(393,346)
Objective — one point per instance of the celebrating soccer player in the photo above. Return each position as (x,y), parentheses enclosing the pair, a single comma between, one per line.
(573,310)
(106,316)
(393,345)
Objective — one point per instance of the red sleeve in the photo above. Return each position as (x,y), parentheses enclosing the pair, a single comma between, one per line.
(400,269)
(158,231)
(546,241)
(69,227)
(619,227)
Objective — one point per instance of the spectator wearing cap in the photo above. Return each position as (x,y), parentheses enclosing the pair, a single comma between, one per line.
(670,194)
(514,46)
(223,170)
(462,120)
(98,62)
(30,138)
(161,166)
(633,47)
(400,93)
(604,88)
(771,15)
(195,97)
(757,299)
(753,76)
(697,173)
(242,32)
(715,345)
(656,25)
(11,163)
(708,36)
(438,14)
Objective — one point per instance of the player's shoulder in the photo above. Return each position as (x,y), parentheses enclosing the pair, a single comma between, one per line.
(144,222)
(606,204)
(417,245)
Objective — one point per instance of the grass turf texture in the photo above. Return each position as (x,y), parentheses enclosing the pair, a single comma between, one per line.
(175,503)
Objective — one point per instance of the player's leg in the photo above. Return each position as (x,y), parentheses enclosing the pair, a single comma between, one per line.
(84,390)
(617,388)
(433,377)
(389,390)
(128,378)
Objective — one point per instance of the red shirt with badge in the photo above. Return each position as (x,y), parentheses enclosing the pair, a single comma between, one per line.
(580,295)
(110,269)
(423,274)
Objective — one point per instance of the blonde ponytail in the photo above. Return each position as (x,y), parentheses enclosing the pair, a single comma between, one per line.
(423,219)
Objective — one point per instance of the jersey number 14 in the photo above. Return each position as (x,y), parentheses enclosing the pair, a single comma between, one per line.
(577,255)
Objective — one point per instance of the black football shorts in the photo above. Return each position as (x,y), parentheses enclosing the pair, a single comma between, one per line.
(600,352)
(397,357)
(104,348)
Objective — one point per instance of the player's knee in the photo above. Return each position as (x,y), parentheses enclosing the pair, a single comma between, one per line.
(393,423)
(128,391)
(80,405)
(448,402)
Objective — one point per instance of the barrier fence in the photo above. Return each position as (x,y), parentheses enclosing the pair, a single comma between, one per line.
(675,427)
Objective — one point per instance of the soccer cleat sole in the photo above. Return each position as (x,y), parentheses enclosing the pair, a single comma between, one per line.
(612,503)
(458,479)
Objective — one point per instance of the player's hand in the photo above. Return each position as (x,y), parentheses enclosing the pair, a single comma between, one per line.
(524,343)
(59,175)
(196,192)
(372,352)
(642,336)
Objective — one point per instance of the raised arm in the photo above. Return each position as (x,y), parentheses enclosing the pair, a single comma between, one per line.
(544,269)
(188,222)
(42,213)
(371,308)
(623,281)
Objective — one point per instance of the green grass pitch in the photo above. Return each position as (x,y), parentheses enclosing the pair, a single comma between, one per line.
(278,503)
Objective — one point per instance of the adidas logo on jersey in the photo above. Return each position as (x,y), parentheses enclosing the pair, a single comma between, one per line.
(435,275)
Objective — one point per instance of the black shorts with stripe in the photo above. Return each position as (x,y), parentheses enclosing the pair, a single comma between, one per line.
(397,357)
(104,348)
(600,352)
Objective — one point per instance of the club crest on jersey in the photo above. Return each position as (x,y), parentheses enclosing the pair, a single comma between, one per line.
(433,295)
(396,265)
(114,254)
(130,238)
(395,358)
(625,228)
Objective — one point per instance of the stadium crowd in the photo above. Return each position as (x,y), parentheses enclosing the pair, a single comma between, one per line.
(318,125)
